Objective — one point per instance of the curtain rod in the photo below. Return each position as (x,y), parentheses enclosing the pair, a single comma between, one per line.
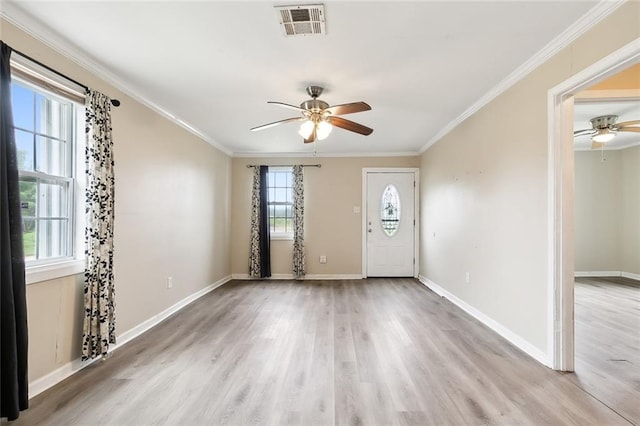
(283,165)
(114,102)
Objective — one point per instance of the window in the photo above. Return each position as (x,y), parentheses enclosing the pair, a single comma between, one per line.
(280,201)
(45,126)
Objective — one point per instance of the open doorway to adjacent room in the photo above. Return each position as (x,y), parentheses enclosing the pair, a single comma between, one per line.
(593,320)
(607,243)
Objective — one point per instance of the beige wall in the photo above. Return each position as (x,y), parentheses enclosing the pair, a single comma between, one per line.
(626,79)
(630,179)
(331,227)
(484,192)
(172,219)
(598,202)
(607,210)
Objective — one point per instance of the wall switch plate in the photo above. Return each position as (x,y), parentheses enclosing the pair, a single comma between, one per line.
(169,282)
(323,259)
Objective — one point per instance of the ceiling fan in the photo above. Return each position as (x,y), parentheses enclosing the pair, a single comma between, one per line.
(319,118)
(604,128)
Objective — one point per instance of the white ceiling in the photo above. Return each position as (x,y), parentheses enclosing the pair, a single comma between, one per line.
(214,65)
(625,109)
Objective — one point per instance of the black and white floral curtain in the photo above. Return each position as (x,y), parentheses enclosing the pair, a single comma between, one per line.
(99,291)
(260,256)
(298,222)
(14,382)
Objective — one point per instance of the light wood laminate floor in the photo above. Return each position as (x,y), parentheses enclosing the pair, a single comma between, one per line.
(607,339)
(362,352)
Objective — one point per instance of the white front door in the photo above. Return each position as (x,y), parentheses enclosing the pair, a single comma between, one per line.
(390,224)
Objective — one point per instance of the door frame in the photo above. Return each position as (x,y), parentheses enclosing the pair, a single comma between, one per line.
(416,203)
(561,179)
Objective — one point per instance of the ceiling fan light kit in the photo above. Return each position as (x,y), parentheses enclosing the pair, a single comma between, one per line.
(604,128)
(603,136)
(319,118)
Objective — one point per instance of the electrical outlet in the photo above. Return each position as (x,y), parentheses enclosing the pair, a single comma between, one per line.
(169,282)
(323,259)
(467,277)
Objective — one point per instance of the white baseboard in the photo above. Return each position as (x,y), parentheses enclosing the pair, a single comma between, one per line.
(597,274)
(333,277)
(43,383)
(631,275)
(306,277)
(503,331)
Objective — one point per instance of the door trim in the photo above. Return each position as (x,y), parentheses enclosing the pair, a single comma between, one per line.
(416,203)
(560,322)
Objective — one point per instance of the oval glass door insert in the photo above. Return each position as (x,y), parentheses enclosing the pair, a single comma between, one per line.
(390,210)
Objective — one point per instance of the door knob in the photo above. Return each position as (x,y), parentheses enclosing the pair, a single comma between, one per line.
(369,229)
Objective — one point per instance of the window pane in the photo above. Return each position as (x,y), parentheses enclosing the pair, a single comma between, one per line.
(29,238)
(280,211)
(52,199)
(289,225)
(270,179)
(289,195)
(280,225)
(289,179)
(52,117)
(28,189)
(22,103)
(281,180)
(52,156)
(289,211)
(24,145)
(272,195)
(51,238)
(281,195)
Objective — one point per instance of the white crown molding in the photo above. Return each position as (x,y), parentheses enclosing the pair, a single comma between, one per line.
(36,29)
(612,148)
(323,155)
(596,14)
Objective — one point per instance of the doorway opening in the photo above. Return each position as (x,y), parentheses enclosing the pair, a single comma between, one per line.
(566,101)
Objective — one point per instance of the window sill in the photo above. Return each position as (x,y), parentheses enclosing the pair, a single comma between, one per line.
(282,236)
(39,273)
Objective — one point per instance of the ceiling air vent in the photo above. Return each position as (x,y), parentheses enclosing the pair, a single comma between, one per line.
(301,20)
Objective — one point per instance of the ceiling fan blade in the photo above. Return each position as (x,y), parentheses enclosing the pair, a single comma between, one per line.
(282,104)
(629,129)
(276,123)
(349,125)
(584,132)
(348,108)
(627,123)
(596,145)
(312,136)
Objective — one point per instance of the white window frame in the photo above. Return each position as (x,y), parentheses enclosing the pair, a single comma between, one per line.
(38,78)
(280,235)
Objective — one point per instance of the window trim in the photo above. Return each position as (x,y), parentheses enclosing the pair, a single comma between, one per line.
(35,77)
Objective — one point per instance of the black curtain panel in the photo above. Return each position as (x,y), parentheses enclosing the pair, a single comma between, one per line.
(265,239)
(14,384)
